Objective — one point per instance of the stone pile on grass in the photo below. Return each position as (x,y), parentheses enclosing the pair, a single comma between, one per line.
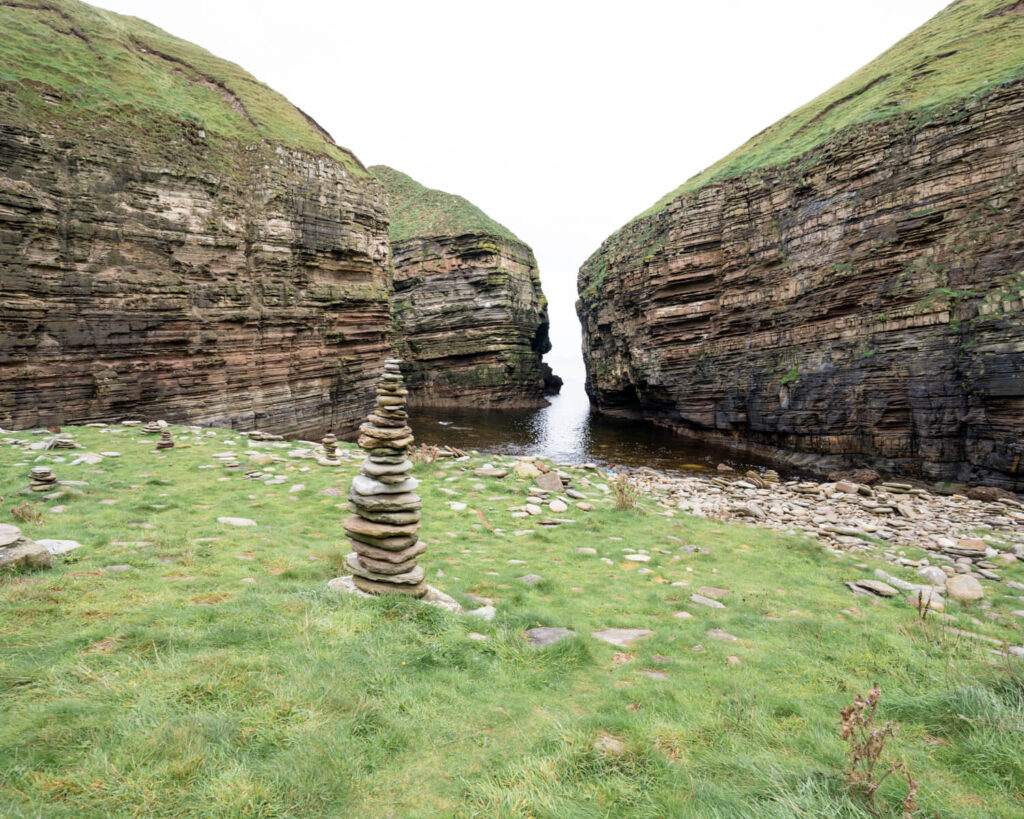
(385,527)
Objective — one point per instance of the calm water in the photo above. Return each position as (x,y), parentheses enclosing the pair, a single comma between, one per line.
(567,431)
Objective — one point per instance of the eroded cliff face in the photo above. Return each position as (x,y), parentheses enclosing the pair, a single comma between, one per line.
(862,300)
(226,264)
(470,319)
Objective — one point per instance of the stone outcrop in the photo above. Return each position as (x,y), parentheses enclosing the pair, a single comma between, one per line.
(861,299)
(470,319)
(176,239)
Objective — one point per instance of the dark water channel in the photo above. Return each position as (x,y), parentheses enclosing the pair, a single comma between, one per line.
(568,431)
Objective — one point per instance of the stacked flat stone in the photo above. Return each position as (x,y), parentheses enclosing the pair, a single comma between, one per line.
(42,478)
(330,444)
(384,529)
(152,428)
(63,442)
(166,441)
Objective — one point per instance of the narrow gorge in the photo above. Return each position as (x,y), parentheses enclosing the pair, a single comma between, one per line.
(849,284)
(470,319)
(176,239)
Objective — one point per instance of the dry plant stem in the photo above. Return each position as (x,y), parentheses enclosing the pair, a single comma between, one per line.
(624,493)
(27,512)
(867,744)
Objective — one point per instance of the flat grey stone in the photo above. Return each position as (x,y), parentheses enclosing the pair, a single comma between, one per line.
(531,579)
(8,534)
(237,521)
(365,485)
(547,635)
(706,601)
(59,547)
(877,587)
(622,637)
(485,613)
(721,634)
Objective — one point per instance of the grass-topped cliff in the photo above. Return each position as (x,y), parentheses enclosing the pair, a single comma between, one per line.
(967,49)
(418,211)
(77,71)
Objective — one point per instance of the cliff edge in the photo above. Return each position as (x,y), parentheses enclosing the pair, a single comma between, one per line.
(470,318)
(849,283)
(176,239)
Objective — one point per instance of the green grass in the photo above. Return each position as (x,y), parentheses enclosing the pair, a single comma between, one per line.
(966,50)
(81,72)
(175,689)
(420,212)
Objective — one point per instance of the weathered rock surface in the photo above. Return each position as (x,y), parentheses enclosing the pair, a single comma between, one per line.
(863,299)
(225,263)
(470,319)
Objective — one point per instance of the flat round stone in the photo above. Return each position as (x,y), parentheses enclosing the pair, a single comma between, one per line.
(400,556)
(375,587)
(373,469)
(364,485)
(406,502)
(9,534)
(385,433)
(411,574)
(399,518)
(370,443)
(358,526)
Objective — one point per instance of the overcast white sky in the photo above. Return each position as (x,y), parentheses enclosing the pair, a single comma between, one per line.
(562,120)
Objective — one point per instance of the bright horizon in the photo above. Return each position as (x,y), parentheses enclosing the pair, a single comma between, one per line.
(562,121)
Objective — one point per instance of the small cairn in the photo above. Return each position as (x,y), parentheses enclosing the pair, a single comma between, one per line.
(386,522)
(42,478)
(152,428)
(330,456)
(62,442)
(166,441)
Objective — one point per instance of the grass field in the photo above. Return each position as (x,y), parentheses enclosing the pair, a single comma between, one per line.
(217,675)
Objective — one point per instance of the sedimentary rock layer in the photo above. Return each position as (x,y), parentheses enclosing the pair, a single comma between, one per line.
(470,318)
(176,240)
(863,299)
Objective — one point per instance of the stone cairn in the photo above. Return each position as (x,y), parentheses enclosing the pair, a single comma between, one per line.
(63,442)
(152,428)
(386,522)
(42,478)
(166,441)
(330,444)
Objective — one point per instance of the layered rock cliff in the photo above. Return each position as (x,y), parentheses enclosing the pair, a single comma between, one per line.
(470,319)
(176,239)
(850,282)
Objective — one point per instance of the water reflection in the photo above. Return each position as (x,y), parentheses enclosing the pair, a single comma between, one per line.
(567,431)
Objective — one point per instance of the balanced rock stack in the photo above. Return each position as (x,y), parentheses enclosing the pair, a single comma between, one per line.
(63,442)
(330,458)
(386,522)
(152,428)
(166,441)
(42,478)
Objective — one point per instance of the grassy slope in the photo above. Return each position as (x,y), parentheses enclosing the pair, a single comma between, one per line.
(76,70)
(417,211)
(174,689)
(958,54)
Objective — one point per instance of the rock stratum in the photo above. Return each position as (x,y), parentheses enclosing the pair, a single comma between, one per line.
(176,239)
(848,283)
(470,319)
